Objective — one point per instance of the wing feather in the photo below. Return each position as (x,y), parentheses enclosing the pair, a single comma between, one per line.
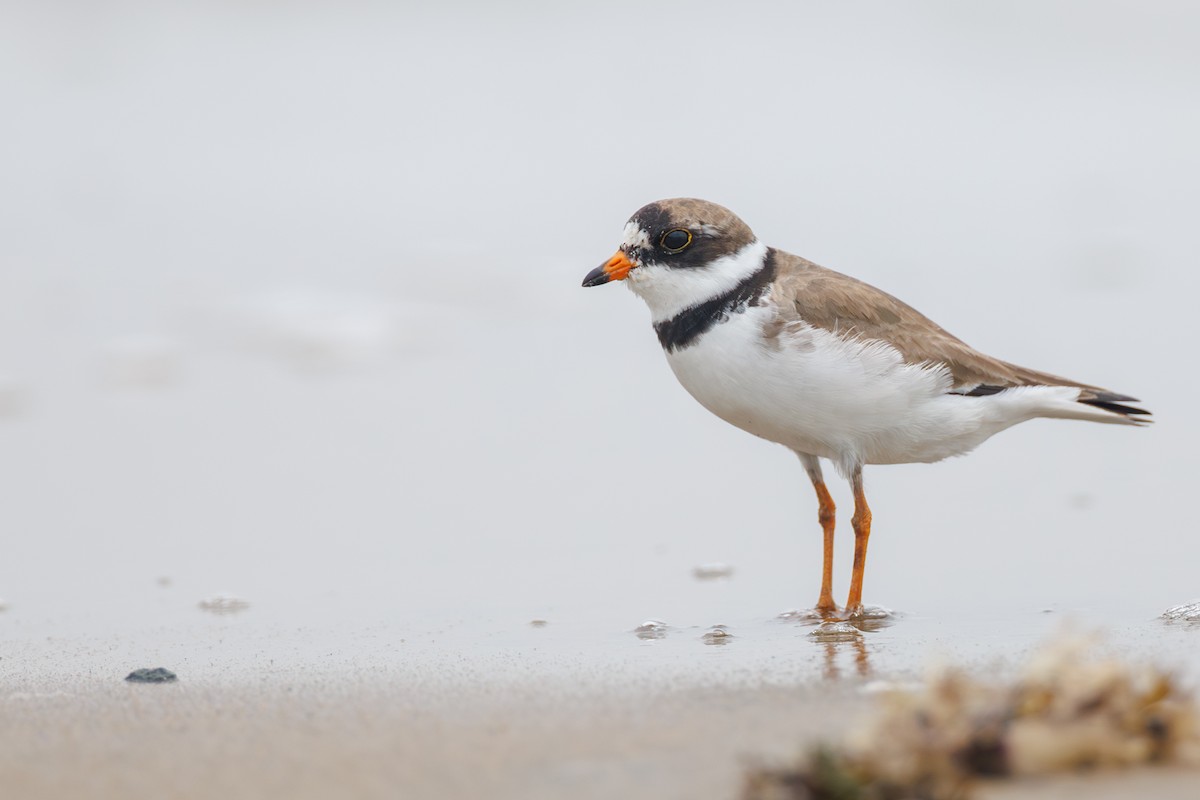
(848,307)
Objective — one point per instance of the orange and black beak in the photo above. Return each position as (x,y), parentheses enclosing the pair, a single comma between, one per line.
(615,269)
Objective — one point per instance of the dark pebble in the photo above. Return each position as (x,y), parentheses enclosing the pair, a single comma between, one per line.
(156,675)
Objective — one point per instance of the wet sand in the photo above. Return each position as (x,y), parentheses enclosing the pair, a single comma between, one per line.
(536,714)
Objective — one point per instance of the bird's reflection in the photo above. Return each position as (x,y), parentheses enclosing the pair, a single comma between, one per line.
(838,635)
(861,657)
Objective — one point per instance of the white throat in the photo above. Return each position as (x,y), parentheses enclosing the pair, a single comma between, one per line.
(669,290)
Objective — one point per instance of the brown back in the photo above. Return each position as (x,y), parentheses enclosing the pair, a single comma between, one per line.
(848,307)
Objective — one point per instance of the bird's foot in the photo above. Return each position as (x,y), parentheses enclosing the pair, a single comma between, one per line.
(869,612)
(826,606)
(818,613)
(863,617)
(869,618)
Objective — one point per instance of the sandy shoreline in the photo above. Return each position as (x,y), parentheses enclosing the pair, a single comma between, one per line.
(262,709)
(356,740)
(399,741)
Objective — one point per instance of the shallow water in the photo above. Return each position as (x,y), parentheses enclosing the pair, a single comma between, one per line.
(595,654)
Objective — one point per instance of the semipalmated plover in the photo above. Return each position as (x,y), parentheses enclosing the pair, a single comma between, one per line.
(821,363)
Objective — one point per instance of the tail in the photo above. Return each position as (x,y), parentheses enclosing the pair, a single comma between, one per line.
(1098,405)
(1049,395)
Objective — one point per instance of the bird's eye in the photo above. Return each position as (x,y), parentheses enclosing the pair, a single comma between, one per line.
(676,240)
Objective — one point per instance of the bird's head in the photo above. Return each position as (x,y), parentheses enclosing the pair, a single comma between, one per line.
(676,253)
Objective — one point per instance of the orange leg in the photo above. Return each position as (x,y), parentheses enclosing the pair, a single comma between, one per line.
(826,515)
(826,512)
(861,522)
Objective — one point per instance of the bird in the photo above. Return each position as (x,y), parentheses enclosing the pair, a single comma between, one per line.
(824,364)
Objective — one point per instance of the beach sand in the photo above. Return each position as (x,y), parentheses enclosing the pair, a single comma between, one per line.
(350,739)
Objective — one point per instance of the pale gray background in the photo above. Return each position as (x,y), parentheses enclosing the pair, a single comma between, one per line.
(290,305)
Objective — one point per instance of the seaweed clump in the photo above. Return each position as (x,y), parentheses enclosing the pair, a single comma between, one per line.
(1068,711)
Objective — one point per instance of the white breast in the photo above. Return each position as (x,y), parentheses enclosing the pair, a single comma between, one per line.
(818,393)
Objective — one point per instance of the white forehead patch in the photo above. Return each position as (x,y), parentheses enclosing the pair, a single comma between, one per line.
(635,236)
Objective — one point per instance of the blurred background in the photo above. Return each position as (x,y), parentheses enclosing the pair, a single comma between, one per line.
(290,305)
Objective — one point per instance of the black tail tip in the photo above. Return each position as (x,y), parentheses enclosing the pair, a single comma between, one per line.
(1110,401)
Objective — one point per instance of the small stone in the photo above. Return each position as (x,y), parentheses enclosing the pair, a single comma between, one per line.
(156,675)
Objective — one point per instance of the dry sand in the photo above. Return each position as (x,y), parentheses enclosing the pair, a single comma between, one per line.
(347,739)
(326,741)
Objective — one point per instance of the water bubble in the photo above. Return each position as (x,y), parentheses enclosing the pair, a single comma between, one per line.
(651,629)
(717,634)
(835,631)
(802,615)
